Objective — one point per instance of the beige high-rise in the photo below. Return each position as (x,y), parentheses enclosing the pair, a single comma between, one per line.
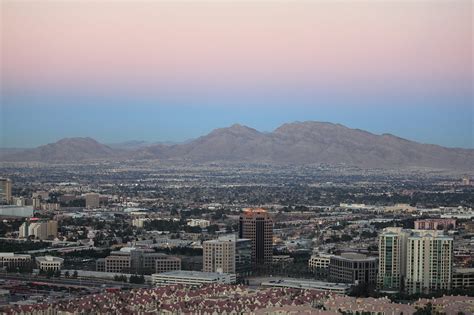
(5,191)
(429,262)
(219,256)
(420,259)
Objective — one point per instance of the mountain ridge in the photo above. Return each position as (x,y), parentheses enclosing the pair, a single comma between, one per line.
(305,142)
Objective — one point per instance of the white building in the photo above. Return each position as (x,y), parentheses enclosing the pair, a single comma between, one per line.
(193,278)
(319,262)
(49,263)
(199,222)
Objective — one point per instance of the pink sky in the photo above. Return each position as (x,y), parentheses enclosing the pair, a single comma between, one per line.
(232,45)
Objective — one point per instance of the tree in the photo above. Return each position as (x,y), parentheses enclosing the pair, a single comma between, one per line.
(66,274)
(74,274)
(138,279)
(427,310)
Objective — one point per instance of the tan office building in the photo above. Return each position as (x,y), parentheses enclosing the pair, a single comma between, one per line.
(5,191)
(219,256)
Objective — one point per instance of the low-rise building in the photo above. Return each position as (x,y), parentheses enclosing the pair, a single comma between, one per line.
(319,262)
(49,263)
(193,278)
(463,278)
(13,261)
(199,222)
(353,268)
(167,263)
(309,284)
(435,224)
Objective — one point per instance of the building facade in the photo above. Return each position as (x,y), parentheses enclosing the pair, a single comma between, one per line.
(392,258)
(257,225)
(49,263)
(421,261)
(219,256)
(92,200)
(243,257)
(353,268)
(429,262)
(435,224)
(463,278)
(319,262)
(167,263)
(192,278)
(5,191)
(11,261)
(137,261)
(41,230)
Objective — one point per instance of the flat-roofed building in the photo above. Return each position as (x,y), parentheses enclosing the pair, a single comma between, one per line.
(435,224)
(41,230)
(257,225)
(429,262)
(219,256)
(353,268)
(133,260)
(117,263)
(5,191)
(392,258)
(15,261)
(319,262)
(341,288)
(192,278)
(92,200)
(463,278)
(49,263)
(17,211)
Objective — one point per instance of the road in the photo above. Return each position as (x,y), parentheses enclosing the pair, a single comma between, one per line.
(79,282)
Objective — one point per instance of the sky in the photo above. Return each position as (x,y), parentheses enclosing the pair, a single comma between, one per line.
(175,70)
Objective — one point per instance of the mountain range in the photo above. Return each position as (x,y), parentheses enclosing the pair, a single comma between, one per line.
(299,143)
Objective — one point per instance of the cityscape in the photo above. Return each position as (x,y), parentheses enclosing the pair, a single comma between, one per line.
(236,157)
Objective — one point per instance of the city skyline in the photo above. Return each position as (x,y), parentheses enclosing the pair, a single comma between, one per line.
(166,71)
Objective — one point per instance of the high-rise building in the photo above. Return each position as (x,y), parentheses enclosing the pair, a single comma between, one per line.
(257,225)
(243,257)
(92,200)
(5,191)
(429,262)
(39,229)
(219,256)
(419,260)
(392,258)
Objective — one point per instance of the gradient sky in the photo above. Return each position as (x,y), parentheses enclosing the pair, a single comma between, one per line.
(173,70)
